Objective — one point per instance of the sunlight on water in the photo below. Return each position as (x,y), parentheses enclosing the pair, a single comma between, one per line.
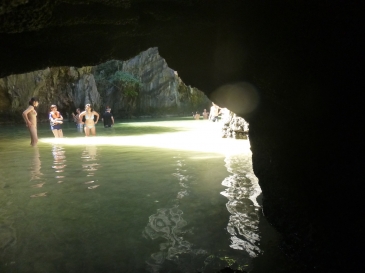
(242,191)
(181,199)
(202,138)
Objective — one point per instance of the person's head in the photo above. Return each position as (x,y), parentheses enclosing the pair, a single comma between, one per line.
(78,110)
(34,102)
(88,107)
(205,110)
(108,109)
(53,107)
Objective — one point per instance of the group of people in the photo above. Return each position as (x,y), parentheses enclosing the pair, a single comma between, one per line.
(85,120)
(213,115)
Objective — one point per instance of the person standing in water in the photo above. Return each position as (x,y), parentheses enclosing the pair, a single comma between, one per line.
(30,118)
(79,124)
(55,119)
(205,114)
(214,112)
(89,114)
(108,118)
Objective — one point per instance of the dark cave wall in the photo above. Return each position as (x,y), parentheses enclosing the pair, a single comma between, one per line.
(304,59)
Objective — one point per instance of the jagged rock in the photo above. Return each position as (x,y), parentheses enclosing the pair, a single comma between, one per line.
(160,90)
(67,87)
(234,126)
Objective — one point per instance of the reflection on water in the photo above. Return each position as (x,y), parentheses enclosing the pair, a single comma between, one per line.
(90,166)
(35,166)
(168,224)
(170,229)
(242,191)
(162,206)
(35,173)
(59,162)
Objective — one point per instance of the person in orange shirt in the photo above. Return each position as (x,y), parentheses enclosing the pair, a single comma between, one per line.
(55,119)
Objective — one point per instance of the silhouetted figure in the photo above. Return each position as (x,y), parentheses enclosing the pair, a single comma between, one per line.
(108,118)
(205,114)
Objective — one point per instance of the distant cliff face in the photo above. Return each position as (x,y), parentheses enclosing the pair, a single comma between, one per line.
(143,85)
(67,87)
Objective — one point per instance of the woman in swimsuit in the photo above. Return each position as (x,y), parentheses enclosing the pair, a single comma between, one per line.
(30,118)
(89,114)
(55,119)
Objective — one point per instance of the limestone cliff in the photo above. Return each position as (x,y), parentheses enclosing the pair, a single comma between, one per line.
(66,87)
(143,85)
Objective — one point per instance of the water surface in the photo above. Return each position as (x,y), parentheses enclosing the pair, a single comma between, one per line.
(146,196)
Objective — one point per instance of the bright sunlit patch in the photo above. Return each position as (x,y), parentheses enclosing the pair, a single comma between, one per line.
(202,136)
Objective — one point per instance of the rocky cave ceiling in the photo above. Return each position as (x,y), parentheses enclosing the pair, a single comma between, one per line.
(209,43)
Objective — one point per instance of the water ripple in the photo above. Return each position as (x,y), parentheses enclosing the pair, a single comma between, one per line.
(241,192)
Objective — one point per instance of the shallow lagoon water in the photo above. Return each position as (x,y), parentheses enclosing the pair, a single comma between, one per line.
(146,196)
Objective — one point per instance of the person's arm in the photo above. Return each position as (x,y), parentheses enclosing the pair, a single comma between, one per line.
(81,116)
(25,115)
(112,119)
(75,117)
(97,116)
(60,118)
(51,118)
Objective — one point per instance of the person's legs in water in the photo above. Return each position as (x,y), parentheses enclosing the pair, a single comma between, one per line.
(33,135)
(87,131)
(57,133)
(80,127)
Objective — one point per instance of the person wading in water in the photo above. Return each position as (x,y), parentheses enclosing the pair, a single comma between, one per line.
(89,124)
(30,118)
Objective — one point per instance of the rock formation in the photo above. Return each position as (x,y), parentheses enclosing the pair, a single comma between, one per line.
(158,89)
(234,126)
